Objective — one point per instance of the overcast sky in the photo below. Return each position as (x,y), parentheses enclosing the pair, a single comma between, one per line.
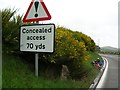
(96,18)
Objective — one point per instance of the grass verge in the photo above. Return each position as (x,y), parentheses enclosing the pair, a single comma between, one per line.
(17,74)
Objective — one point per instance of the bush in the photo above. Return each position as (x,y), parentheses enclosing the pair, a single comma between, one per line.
(70,50)
(10,30)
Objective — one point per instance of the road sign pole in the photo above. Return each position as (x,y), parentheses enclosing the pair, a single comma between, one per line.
(36,60)
(36,64)
(37,11)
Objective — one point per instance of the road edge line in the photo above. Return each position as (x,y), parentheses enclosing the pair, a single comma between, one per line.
(98,81)
(101,81)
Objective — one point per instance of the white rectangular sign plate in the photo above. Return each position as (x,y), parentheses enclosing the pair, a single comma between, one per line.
(37,38)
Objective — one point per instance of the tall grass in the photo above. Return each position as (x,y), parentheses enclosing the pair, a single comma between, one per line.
(17,74)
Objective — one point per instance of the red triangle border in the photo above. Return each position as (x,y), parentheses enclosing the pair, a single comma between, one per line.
(37,19)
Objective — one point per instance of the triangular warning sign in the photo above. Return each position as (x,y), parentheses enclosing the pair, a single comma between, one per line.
(37,11)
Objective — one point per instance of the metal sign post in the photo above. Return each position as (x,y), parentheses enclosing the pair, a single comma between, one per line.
(37,37)
(36,64)
(36,59)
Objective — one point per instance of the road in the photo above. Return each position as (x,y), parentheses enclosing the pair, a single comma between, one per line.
(111,77)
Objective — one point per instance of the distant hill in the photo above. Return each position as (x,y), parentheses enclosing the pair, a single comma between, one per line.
(109,49)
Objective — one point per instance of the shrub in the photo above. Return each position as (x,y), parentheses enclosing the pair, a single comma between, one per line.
(70,50)
(10,30)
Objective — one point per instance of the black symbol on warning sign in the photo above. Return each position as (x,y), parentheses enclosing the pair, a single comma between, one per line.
(36,8)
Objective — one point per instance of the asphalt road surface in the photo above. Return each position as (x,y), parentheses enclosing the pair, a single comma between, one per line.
(111,78)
